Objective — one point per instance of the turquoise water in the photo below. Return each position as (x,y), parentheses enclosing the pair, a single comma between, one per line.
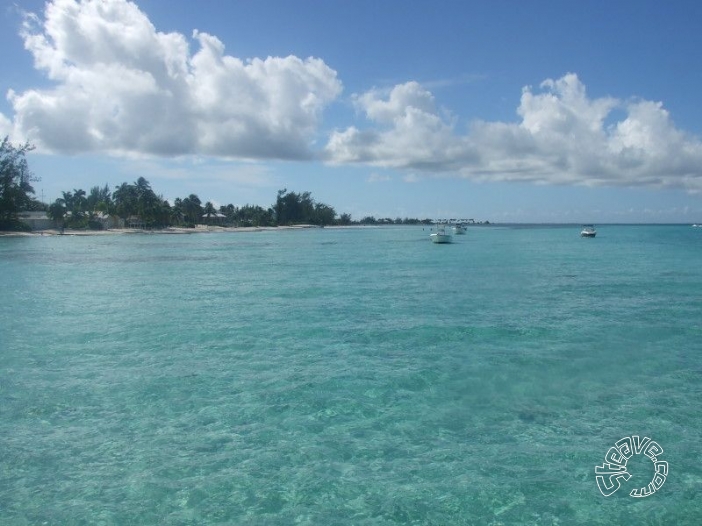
(348,376)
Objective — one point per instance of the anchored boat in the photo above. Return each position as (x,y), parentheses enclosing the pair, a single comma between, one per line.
(588,231)
(440,236)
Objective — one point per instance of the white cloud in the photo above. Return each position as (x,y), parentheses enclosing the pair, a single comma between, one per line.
(120,86)
(401,99)
(378,178)
(415,133)
(5,126)
(563,137)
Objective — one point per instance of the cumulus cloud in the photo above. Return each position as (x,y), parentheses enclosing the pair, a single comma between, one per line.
(563,137)
(121,86)
(416,135)
(117,85)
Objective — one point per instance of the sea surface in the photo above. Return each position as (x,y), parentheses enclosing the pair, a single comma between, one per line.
(358,376)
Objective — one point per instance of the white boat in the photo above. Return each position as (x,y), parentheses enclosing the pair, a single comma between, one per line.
(440,236)
(588,231)
(459,229)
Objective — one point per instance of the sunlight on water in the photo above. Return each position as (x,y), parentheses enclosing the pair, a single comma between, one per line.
(348,376)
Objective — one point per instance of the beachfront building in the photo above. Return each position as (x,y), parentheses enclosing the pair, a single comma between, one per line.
(37,220)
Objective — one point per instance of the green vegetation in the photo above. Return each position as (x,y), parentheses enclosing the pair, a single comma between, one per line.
(370,220)
(291,208)
(15,185)
(137,205)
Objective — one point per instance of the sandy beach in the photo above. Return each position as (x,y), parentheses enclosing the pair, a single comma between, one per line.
(199,229)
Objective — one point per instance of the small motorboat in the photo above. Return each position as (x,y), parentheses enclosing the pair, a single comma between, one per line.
(588,231)
(440,236)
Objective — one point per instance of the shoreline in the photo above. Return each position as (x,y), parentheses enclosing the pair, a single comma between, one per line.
(199,229)
(204,229)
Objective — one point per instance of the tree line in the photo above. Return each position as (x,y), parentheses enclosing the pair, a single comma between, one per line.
(138,205)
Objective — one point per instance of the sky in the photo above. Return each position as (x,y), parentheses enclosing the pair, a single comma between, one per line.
(540,111)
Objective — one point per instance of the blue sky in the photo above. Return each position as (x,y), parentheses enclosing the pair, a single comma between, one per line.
(537,111)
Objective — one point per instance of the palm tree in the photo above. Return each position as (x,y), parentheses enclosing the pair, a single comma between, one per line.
(99,200)
(177,211)
(148,204)
(67,200)
(80,203)
(165,213)
(57,211)
(125,200)
(209,211)
(193,209)
(229,212)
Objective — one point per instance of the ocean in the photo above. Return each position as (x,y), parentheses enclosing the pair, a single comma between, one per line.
(351,376)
